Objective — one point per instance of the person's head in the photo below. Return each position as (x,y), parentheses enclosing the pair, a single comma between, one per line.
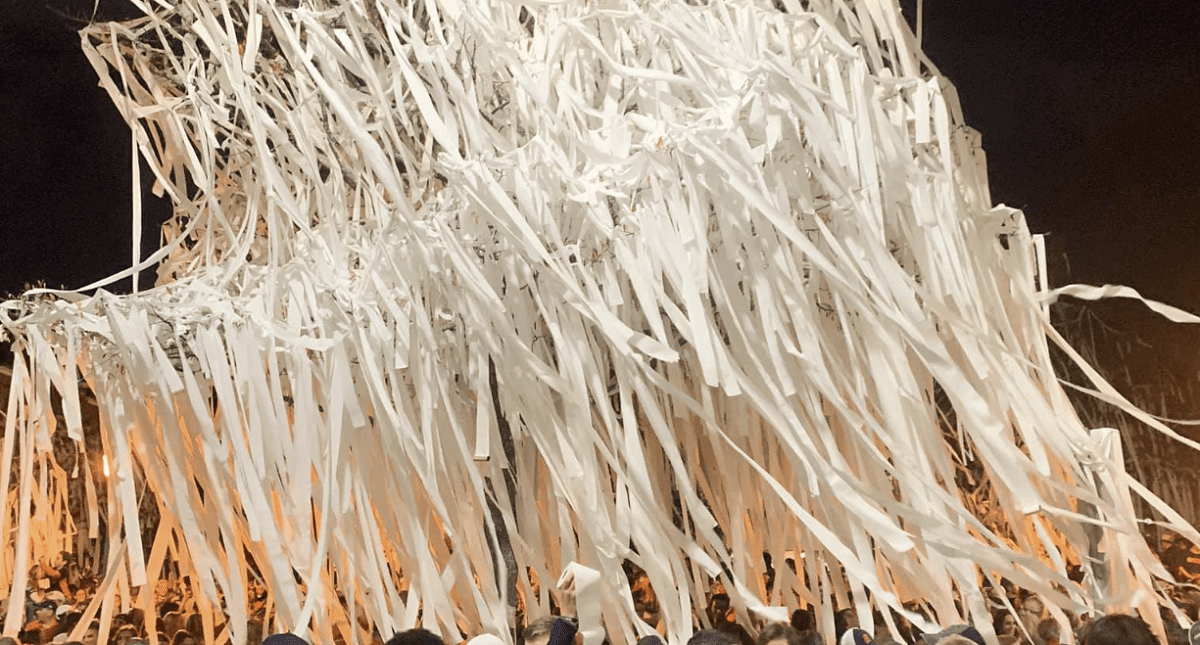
(195,624)
(1048,630)
(416,636)
(711,637)
(1004,623)
(855,636)
(778,634)
(124,634)
(92,634)
(172,622)
(254,632)
(69,620)
(811,637)
(803,620)
(285,638)
(484,639)
(952,634)
(1033,605)
(44,612)
(1118,629)
(844,619)
(720,610)
(538,631)
(137,618)
(183,637)
(644,600)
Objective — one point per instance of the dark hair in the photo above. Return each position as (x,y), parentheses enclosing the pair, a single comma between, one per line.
(998,617)
(254,632)
(841,622)
(137,617)
(803,620)
(1048,630)
(416,636)
(711,637)
(286,638)
(69,620)
(181,636)
(1118,629)
(811,637)
(778,631)
(539,628)
(195,624)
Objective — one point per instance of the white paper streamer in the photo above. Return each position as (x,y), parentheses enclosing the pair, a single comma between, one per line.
(450,296)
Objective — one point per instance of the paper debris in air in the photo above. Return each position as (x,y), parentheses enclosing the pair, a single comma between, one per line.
(456,294)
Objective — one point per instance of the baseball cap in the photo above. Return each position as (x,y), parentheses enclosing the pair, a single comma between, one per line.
(966,631)
(855,636)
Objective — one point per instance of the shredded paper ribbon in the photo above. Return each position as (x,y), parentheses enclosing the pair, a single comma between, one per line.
(458,297)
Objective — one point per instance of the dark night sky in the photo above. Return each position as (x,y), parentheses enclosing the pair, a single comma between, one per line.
(1089,118)
(1088,112)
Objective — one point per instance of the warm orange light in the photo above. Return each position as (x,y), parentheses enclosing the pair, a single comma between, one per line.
(106,465)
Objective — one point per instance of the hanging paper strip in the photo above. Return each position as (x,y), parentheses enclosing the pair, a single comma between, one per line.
(462,299)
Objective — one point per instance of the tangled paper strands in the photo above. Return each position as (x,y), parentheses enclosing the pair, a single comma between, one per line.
(459,298)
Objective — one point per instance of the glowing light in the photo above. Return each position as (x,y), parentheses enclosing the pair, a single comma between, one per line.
(106,465)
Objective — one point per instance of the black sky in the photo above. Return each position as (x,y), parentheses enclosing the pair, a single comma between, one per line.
(65,197)
(1088,112)
(1089,118)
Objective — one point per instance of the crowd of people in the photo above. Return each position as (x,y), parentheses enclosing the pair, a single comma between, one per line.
(1030,625)
(58,596)
(1111,629)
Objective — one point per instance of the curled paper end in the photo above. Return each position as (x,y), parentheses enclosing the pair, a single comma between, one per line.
(1089,292)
